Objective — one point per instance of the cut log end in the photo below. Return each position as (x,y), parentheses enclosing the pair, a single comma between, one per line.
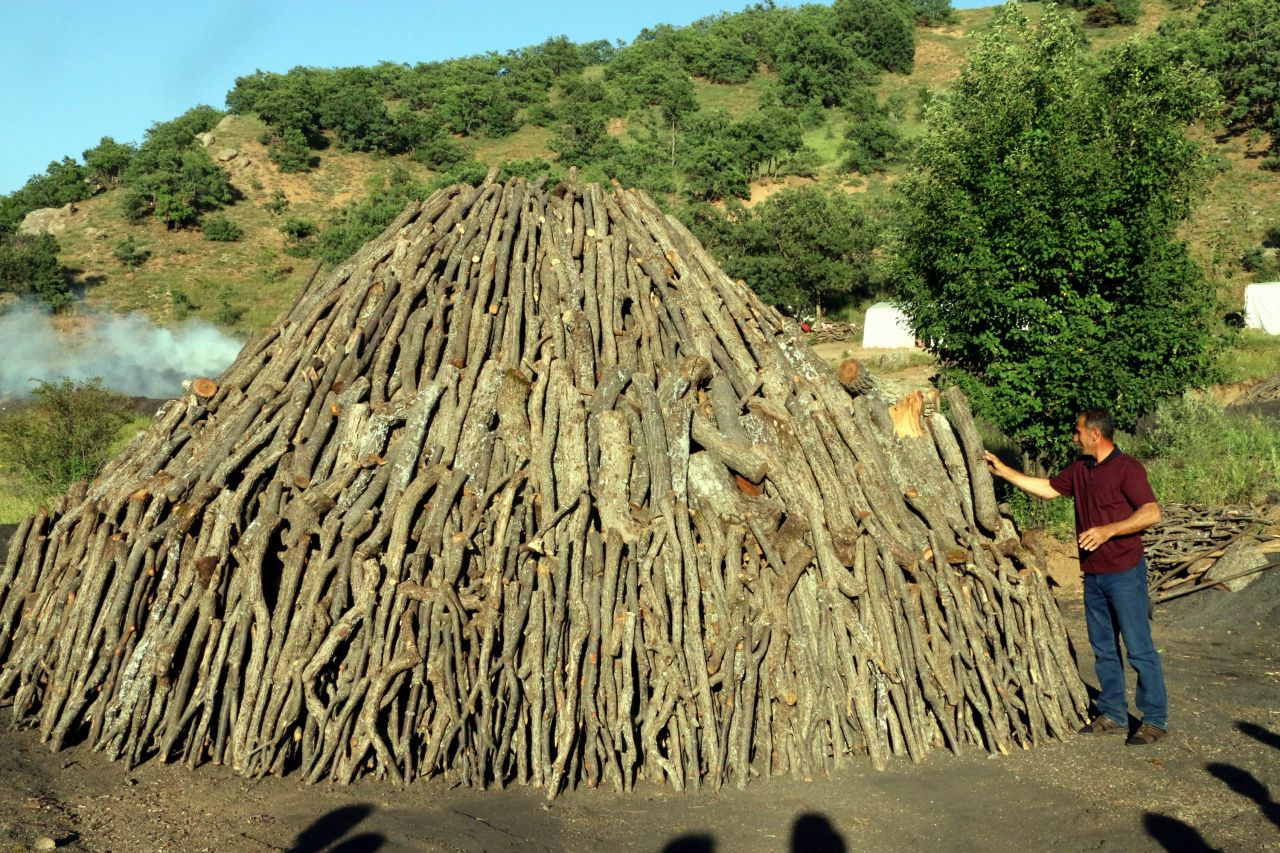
(906,416)
(854,377)
(204,388)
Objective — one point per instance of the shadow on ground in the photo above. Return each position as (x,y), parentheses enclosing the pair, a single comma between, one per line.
(1174,834)
(327,833)
(811,833)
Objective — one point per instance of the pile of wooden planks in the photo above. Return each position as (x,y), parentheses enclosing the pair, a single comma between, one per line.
(529,491)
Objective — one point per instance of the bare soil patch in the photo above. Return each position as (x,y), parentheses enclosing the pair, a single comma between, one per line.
(761,190)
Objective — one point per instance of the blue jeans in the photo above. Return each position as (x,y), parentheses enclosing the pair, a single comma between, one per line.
(1115,608)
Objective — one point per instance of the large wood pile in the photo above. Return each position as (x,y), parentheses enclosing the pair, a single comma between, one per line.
(530,491)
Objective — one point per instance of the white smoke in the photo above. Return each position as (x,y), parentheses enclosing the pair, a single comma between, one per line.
(129,353)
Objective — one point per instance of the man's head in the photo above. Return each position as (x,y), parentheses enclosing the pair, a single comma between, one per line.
(1094,431)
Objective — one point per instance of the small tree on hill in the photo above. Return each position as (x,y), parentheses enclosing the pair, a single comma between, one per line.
(107,161)
(1239,41)
(1037,252)
(881,31)
(65,436)
(172,176)
(814,64)
(29,267)
(799,247)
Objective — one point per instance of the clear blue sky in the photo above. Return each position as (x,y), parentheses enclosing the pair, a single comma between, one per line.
(78,70)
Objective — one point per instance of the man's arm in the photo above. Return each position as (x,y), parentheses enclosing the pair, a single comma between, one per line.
(1038,486)
(1142,518)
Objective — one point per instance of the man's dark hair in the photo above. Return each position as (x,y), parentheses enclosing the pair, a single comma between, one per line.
(1101,420)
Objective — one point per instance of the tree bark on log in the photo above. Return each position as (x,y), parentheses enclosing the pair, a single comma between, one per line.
(528,490)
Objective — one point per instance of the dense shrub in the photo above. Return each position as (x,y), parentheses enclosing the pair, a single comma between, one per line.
(800,247)
(220,229)
(29,268)
(172,176)
(129,253)
(65,436)
(880,31)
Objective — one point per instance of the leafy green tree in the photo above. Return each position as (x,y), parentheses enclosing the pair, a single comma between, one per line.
(135,206)
(596,52)
(357,223)
(284,102)
(560,56)
(800,247)
(290,151)
(249,90)
(580,137)
(1037,253)
(106,162)
(178,133)
(653,55)
(1239,42)
(187,186)
(1128,11)
(581,119)
(354,112)
(29,268)
(931,13)
(172,176)
(673,95)
(714,48)
(441,151)
(474,109)
(881,31)
(768,136)
(644,164)
(1112,13)
(409,129)
(65,436)
(64,181)
(713,159)
(814,64)
(871,139)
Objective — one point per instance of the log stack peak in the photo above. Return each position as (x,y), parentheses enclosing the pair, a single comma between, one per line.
(529,490)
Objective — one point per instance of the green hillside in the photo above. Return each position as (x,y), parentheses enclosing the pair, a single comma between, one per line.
(243,284)
(782,137)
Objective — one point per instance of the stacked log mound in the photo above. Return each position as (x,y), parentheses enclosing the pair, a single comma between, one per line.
(529,491)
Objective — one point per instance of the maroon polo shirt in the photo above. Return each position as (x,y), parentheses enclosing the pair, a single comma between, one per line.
(1106,492)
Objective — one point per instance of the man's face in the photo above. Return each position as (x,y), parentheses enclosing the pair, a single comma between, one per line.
(1086,437)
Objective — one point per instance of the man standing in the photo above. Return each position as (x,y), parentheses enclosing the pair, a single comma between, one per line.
(1113,505)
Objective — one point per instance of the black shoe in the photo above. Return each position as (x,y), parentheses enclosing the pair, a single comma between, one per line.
(1101,724)
(1146,734)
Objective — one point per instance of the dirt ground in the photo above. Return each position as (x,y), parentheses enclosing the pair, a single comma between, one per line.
(1213,783)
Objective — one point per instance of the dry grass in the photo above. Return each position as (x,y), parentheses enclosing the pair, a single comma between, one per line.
(16,500)
(527,143)
(737,100)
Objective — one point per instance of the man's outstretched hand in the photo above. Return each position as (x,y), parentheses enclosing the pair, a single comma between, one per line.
(996,465)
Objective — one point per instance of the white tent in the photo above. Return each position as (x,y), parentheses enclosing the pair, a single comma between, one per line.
(1262,307)
(886,328)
